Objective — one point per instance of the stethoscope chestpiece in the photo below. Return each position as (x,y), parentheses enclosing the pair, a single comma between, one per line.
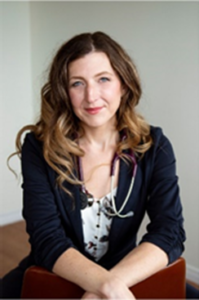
(86,199)
(83,200)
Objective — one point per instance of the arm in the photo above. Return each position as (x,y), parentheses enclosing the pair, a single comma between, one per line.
(163,242)
(99,282)
(48,239)
(140,263)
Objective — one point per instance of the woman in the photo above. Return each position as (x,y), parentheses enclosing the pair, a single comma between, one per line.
(91,169)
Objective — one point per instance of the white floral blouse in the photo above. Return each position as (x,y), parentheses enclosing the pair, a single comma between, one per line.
(96,226)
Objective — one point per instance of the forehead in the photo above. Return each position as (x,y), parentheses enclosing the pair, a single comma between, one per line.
(94,62)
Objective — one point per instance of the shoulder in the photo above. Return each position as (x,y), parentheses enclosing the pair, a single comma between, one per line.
(160,140)
(32,158)
(30,138)
(32,144)
(161,150)
(156,134)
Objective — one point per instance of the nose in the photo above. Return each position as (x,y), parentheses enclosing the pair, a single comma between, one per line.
(92,93)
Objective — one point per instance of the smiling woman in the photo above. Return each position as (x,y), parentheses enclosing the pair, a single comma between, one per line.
(91,169)
(95,90)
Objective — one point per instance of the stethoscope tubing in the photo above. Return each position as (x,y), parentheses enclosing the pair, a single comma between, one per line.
(131,155)
(116,212)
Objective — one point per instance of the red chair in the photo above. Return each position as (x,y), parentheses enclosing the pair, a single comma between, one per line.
(169,283)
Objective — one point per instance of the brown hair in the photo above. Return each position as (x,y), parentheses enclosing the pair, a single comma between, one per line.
(58,125)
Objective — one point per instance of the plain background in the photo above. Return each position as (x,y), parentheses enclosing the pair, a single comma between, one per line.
(163,40)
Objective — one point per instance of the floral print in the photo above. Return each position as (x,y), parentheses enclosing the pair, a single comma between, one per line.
(96,223)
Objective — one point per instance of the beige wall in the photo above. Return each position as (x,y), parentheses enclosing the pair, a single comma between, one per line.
(16,98)
(163,39)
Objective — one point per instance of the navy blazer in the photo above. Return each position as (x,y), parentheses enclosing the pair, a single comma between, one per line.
(54,225)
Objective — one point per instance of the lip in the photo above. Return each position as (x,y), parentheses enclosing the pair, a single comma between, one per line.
(93,110)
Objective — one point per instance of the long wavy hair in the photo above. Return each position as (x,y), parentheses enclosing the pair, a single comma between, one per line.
(58,126)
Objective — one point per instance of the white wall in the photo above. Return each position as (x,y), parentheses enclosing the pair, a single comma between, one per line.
(163,39)
(16,99)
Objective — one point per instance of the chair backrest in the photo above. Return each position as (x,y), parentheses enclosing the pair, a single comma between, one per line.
(169,283)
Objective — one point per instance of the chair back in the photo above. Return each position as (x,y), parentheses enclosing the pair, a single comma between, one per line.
(169,283)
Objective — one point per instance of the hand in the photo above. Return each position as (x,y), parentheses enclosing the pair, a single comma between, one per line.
(89,295)
(111,289)
(114,288)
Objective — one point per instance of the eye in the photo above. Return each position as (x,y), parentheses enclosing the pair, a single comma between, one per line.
(76,84)
(104,79)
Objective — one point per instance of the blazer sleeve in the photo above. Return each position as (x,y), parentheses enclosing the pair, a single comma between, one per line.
(47,236)
(164,206)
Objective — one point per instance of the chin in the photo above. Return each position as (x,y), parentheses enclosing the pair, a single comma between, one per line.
(95,123)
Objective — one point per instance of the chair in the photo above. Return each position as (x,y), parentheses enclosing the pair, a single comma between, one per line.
(169,283)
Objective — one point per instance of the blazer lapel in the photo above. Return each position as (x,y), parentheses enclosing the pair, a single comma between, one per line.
(125,176)
(73,210)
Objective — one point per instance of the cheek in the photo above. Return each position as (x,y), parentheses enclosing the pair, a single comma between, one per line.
(114,92)
(75,98)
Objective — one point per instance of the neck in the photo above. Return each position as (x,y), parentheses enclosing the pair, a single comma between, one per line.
(100,139)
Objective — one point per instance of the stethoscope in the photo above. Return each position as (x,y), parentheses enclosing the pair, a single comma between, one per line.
(87,198)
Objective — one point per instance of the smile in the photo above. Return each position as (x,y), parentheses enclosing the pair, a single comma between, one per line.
(94,110)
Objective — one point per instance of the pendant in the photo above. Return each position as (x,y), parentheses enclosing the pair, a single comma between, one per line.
(86,199)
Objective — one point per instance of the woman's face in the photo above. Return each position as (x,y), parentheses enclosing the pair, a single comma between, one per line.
(95,90)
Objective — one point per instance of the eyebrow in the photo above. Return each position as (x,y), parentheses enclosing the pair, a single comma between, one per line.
(97,75)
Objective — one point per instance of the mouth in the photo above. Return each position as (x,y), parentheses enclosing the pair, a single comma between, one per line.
(94,110)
